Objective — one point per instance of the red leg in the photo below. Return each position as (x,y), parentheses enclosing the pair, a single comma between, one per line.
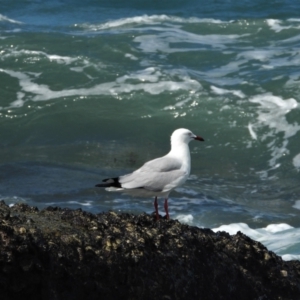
(156,208)
(167,209)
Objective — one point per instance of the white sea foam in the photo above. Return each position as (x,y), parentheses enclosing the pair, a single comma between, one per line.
(280,238)
(273,228)
(288,257)
(221,91)
(261,54)
(164,41)
(150,74)
(86,203)
(293,39)
(219,76)
(148,20)
(274,102)
(296,161)
(183,102)
(61,59)
(6,19)
(183,190)
(234,228)
(252,132)
(272,113)
(293,20)
(277,26)
(188,219)
(271,58)
(12,200)
(132,57)
(150,80)
(297,204)
(33,53)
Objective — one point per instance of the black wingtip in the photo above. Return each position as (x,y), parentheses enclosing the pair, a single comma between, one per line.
(109,182)
(99,185)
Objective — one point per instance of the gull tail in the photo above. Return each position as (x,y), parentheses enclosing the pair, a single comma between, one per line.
(110,182)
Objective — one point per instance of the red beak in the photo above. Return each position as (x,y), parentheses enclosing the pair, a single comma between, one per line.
(199,138)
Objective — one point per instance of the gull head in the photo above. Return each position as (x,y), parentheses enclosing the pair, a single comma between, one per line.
(183,135)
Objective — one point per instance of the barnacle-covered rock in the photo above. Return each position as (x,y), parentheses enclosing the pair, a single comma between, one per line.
(71,254)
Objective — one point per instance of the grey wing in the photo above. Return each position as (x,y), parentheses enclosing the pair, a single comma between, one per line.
(153,181)
(154,175)
(162,164)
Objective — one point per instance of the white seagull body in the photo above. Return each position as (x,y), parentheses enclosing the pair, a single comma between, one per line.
(158,177)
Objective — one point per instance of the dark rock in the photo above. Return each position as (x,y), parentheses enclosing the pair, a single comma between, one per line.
(71,254)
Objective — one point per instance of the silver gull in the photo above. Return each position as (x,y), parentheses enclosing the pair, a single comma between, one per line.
(158,177)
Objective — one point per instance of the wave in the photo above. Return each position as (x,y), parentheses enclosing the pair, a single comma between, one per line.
(277,26)
(280,238)
(148,20)
(150,80)
(6,19)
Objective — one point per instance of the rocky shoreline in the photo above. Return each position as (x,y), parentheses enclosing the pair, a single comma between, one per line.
(71,254)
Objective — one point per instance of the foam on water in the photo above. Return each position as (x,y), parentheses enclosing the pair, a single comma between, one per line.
(188,219)
(8,53)
(277,26)
(297,204)
(130,56)
(272,113)
(12,200)
(151,80)
(6,19)
(280,238)
(148,20)
(296,161)
(252,132)
(164,41)
(273,228)
(220,91)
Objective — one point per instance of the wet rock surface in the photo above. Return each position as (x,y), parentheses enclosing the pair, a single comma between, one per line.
(71,254)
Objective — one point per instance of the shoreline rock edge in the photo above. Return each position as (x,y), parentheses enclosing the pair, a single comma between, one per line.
(58,253)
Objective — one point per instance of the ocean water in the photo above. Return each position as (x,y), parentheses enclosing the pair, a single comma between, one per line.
(94,89)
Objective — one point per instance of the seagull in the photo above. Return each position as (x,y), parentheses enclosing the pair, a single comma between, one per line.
(158,177)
